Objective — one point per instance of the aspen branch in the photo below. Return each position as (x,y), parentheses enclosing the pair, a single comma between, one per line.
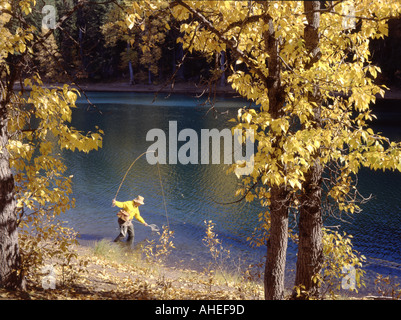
(230,43)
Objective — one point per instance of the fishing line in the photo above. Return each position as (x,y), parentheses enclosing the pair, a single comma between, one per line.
(152,226)
(115,197)
(164,199)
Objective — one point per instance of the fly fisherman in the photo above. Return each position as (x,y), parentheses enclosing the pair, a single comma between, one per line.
(129,210)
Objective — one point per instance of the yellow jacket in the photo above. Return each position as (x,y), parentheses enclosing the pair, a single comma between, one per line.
(131,209)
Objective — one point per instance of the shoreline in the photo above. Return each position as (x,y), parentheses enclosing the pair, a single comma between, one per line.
(186,88)
(393,93)
(107,271)
(189,88)
(180,88)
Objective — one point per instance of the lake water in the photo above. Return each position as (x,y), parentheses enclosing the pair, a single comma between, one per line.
(194,193)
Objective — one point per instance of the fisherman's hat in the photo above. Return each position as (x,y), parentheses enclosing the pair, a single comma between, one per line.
(139,199)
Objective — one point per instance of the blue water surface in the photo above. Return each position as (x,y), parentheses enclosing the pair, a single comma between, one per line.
(195,193)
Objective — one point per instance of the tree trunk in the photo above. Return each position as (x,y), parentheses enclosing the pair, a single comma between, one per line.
(310,247)
(278,239)
(130,68)
(149,75)
(276,245)
(222,68)
(180,73)
(81,27)
(9,250)
(131,73)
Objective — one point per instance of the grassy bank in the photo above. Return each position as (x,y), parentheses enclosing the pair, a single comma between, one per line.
(107,270)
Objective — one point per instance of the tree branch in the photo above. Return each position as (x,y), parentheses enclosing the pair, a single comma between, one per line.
(229,43)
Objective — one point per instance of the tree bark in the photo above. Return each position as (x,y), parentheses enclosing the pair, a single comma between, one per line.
(81,25)
(130,68)
(276,245)
(178,56)
(222,68)
(278,238)
(10,259)
(310,247)
(9,251)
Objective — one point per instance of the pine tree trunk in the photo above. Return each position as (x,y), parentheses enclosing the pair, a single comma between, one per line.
(222,68)
(81,25)
(178,56)
(130,68)
(149,75)
(9,250)
(131,73)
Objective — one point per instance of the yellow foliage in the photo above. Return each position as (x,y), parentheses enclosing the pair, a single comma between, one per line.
(42,189)
(38,129)
(342,137)
(328,94)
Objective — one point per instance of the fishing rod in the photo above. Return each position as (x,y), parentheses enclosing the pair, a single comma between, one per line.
(126,173)
(153,227)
